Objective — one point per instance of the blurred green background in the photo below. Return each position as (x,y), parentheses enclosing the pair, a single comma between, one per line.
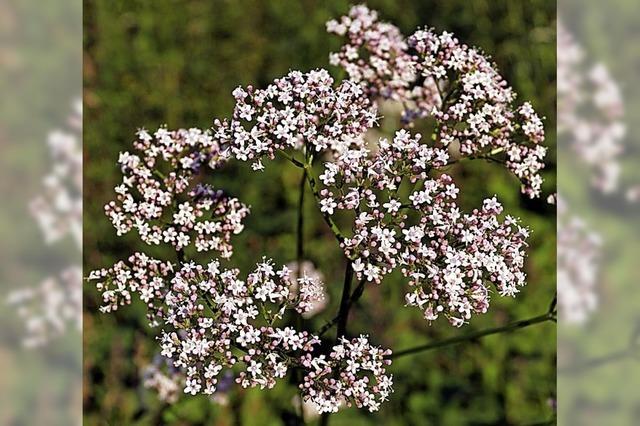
(606,392)
(176,62)
(40,76)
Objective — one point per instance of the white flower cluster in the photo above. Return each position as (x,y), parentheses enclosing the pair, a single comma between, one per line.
(436,75)
(449,257)
(149,200)
(478,110)
(377,57)
(54,307)
(142,274)
(402,206)
(300,109)
(362,380)
(579,257)
(211,321)
(590,113)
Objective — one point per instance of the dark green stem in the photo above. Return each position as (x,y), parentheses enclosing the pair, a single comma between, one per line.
(355,296)
(324,420)
(549,316)
(345,305)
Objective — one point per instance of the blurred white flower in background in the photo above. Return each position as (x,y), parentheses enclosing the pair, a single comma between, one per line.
(578,266)
(309,270)
(52,308)
(58,210)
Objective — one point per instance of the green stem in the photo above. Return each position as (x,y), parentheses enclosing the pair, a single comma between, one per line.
(293,161)
(345,305)
(324,420)
(549,316)
(355,296)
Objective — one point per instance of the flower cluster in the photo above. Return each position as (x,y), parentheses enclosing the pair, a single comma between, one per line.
(54,307)
(590,112)
(211,320)
(436,75)
(362,381)
(478,111)
(213,314)
(376,56)
(462,254)
(58,211)
(448,256)
(149,200)
(402,206)
(318,302)
(141,274)
(579,255)
(295,111)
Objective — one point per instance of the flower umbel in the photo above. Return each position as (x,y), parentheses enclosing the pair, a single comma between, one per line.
(395,194)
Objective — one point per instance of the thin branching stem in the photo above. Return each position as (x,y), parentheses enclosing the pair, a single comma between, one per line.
(291,159)
(548,316)
(355,296)
(345,304)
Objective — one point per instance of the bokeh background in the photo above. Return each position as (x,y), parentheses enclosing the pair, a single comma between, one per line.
(176,62)
(40,76)
(598,369)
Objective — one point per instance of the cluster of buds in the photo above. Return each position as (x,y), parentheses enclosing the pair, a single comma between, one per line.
(376,56)
(448,256)
(149,200)
(434,75)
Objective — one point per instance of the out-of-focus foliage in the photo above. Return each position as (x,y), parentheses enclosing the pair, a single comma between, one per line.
(176,62)
(605,392)
(40,75)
